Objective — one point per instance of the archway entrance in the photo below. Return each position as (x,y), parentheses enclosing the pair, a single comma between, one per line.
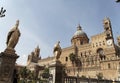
(101,54)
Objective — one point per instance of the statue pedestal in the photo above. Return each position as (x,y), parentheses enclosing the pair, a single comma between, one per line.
(55,69)
(7,65)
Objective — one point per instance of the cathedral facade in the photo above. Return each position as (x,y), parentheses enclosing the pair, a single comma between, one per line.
(88,57)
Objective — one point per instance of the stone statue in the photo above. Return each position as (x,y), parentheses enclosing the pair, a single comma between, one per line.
(57,50)
(13,36)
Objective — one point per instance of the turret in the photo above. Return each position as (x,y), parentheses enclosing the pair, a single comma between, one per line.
(37,51)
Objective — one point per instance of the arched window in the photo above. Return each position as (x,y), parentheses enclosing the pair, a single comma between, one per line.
(81,54)
(100,52)
(99,43)
(81,42)
(96,44)
(103,43)
(109,66)
(93,45)
(66,58)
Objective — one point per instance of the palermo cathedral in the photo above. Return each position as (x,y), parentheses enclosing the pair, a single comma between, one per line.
(86,56)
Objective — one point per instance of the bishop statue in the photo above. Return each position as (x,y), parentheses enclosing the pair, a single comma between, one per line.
(13,36)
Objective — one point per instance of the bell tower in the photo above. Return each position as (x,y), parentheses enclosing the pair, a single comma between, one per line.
(110,49)
(108,32)
(108,28)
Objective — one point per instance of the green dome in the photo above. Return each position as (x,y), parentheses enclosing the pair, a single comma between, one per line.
(79,32)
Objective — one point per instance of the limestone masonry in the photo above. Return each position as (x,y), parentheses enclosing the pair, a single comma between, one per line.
(86,57)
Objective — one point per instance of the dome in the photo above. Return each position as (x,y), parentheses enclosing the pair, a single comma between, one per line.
(79,37)
(79,32)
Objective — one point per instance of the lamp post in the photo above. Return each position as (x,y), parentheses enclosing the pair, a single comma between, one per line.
(2,12)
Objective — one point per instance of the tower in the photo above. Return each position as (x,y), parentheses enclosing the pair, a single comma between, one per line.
(79,37)
(108,32)
(37,51)
(118,40)
(34,56)
(110,50)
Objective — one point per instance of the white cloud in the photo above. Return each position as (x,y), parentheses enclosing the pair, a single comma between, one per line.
(22,60)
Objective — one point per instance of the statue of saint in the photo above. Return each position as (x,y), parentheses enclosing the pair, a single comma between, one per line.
(57,50)
(13,36)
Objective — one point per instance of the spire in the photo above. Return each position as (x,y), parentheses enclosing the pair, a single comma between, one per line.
(106,19)
(37,46)
(79,27)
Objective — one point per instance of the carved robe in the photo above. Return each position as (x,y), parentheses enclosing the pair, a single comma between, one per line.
(13,36)
(57,50)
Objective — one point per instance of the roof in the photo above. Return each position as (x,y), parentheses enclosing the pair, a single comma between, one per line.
(79,32)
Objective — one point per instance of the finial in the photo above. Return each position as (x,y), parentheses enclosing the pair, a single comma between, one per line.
(37,46)
(106,18)
(79,27)
(58,41)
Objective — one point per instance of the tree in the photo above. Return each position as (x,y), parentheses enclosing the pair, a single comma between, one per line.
(46,70)
(24,72)
(30,75)
(83,76)
(72,57)
(2,12)
(99,76)
(45,73)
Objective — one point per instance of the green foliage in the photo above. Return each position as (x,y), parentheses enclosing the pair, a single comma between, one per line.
(83,76)
(46,70)
(45,73)
(30,75)
(64,73)
(99,75)
(23,72)
(43,81)
(33,81)
(72,57)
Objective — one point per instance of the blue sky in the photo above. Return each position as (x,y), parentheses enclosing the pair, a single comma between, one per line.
(44,22)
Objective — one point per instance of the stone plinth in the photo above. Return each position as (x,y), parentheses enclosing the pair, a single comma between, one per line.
(55,69)
(7,65)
